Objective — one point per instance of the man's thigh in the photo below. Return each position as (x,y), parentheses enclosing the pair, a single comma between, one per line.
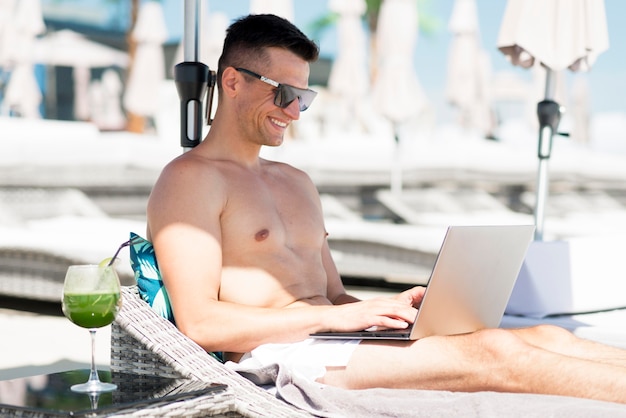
(440,362)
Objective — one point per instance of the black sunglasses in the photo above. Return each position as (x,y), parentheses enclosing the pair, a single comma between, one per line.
(285,94)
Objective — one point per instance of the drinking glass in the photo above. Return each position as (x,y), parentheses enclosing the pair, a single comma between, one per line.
(91,299)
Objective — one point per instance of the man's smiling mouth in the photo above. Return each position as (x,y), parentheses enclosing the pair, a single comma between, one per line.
(279,123)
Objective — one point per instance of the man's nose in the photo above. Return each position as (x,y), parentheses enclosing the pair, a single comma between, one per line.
(293,110)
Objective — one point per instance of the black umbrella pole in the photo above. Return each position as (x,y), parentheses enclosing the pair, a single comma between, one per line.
(549,115)
(191,80)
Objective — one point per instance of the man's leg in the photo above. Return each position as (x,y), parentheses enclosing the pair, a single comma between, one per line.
(494,360)
(559,340)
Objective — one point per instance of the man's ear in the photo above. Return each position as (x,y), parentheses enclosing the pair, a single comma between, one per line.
(230,81)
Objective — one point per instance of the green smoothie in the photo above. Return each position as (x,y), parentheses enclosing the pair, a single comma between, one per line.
(91,310)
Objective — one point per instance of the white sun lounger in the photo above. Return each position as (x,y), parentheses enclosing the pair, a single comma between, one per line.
(442,207)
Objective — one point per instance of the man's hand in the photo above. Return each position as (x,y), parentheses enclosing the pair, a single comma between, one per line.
(384,312)
(412,296)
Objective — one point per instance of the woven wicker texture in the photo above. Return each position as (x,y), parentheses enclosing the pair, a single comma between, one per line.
(144,343)
(32,274)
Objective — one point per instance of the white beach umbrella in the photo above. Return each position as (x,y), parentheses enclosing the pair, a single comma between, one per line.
(349,77)
(397,93)
(148,69)
(22,93)
(82,107)
(67,48)
(20,22)
(559,34)
(7,27)
(468,72)
(105,100)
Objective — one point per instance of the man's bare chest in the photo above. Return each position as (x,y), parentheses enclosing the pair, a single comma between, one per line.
(271,216)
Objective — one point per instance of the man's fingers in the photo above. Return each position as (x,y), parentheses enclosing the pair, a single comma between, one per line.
(412,296)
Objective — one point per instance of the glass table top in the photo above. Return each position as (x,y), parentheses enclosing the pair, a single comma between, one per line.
(51,395)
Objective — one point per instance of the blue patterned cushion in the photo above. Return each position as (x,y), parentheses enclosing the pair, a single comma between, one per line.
(151,288)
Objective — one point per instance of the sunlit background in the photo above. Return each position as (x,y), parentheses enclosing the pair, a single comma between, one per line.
(420,122)
(110,22)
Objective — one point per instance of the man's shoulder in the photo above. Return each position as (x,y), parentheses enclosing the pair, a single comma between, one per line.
(191,162)
(189,169)
(286,168)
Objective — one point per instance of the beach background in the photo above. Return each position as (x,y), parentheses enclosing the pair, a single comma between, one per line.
(113,169)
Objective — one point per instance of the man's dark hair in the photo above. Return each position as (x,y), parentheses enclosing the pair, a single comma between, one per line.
(248,38)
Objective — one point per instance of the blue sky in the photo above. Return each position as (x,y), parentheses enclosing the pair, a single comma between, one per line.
(607,79)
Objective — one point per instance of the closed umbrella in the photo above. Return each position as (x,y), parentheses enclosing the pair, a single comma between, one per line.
(82,107)
(148,68)
(349,79)
(105,99)
(397,93)
(6,31)
(20,22)
(558,34)
(468,71)
(22,94)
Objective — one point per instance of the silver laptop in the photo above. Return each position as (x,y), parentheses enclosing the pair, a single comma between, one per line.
(469,286)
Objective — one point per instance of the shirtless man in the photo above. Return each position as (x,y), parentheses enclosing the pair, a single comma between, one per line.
(243,253)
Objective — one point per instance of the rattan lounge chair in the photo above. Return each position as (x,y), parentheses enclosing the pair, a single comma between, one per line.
(142,342)
(45,230)
(32,274)
(37,274)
